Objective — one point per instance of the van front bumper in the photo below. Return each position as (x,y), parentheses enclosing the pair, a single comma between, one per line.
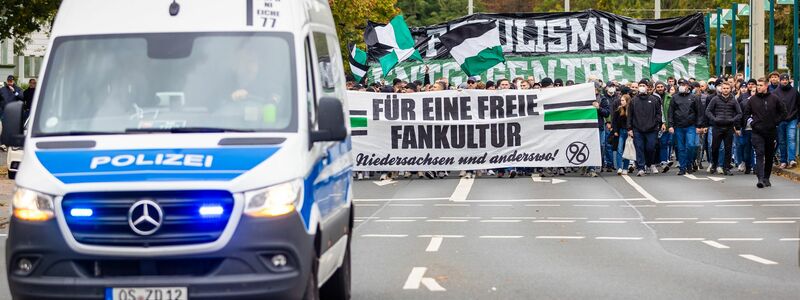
(240,270)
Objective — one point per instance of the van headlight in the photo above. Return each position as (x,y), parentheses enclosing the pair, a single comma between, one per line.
(274,201)
(32,206)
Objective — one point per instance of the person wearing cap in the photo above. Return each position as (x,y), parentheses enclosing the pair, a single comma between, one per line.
(724,114)
(9,93)
(558,82)
(644,123)
(764,112)
(787,129)
(684,114)
(774,81)
(743,153)
(547,82)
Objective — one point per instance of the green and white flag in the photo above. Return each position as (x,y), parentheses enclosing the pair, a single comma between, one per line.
(475,47)
(396,41)
(358,62)
(668,48)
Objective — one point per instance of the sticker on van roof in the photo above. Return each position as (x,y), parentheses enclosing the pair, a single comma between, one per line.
(263,13)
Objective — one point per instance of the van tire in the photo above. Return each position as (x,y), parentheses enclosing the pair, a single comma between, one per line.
(338,286)
(12,175)
(312,291)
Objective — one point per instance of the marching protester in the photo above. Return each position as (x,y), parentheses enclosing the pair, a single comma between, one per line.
(787,129)
(766,112)
(684,115)
(744,148)
(644,123)
(619,126)
(665,138)
(723,114)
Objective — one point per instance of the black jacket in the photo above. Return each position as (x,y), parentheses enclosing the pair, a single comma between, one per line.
(685,110)
(767,112)
(724,112)
(790,98)
(8,96)
(27,98)
(644,113)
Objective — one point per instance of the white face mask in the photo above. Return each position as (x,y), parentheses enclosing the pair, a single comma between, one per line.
(642,90)
(682,89)
(611,90)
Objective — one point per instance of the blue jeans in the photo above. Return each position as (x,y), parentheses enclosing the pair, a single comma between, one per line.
(686,139)
(787,140)
(621,163)
(744,149)
(645,148)
(665,148)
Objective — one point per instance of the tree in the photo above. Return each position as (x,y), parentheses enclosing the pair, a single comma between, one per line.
(20,18)
(351,18)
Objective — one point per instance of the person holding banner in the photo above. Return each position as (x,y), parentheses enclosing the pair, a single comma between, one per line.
(644,123)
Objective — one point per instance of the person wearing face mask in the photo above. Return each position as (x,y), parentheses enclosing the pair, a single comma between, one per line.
(723,114)
(744,149)
(684,115)
(644,123)
(787,130)
(665,140)
(766,111)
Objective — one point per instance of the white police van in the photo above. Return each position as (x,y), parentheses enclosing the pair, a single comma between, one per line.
(190,149)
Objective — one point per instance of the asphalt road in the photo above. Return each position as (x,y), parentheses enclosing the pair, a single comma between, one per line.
(659,237)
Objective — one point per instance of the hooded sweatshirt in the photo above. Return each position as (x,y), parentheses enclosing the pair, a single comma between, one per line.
(790,98)
(644,113)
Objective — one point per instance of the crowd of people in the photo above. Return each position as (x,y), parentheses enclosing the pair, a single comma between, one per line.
(721,126)
(10,92)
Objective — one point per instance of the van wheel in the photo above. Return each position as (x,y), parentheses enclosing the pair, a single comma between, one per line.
(12,175)
(312,291)
(338,286)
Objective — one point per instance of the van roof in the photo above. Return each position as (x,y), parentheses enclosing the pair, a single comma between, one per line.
(95,17)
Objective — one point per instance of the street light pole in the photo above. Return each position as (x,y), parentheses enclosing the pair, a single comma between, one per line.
(470,7)
(719,40)
(795,59)
(757,38)
(657,11)
(733,38)
(566,5)
(771,35)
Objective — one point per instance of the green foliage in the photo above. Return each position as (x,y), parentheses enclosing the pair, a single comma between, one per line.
(20,18)
(427,12)
(351,19)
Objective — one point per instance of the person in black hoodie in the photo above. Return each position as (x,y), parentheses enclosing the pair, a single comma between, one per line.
(685,114)
(723,114)
(787,129)
(644,123)
(766,111)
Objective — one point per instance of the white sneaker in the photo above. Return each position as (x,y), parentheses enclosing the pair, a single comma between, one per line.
(624,172)
(384,177)
(640,173)
(708,170)
(420,175)
(490,172)
(592,174)
(792,164)
(653,170)
(719,170)
(360,176)
(619,171)
(462,173)
(406,174)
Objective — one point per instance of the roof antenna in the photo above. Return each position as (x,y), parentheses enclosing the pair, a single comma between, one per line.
(174,8)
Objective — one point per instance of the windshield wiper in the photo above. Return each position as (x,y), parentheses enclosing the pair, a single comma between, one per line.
(79,133)
(185,130)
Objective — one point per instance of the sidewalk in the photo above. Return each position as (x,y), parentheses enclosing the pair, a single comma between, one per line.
(3,169)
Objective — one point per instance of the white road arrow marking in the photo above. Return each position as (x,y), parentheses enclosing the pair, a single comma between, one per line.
(384,182)
(557,181)
(538,179)
(415,279)
(716,178)
(692,177)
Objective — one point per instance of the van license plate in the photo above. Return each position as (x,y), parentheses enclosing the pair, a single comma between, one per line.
(139,293)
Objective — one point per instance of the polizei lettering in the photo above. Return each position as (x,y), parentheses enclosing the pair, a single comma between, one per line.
(160,159)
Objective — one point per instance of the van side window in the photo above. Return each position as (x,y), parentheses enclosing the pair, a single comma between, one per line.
(311,97)
(325,66)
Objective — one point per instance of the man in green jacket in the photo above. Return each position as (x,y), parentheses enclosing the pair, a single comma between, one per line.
(665,141)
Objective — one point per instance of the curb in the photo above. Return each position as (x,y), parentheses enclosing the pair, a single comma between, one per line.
(792,174)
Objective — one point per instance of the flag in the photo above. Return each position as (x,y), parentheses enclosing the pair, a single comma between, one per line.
(358,62)
(668,48)
(393,41)
(476,47)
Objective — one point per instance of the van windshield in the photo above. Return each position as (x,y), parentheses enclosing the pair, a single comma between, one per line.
(168,82)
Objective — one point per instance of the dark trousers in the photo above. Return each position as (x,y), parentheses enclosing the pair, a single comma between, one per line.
(722,134)
(764,145)
(645,143)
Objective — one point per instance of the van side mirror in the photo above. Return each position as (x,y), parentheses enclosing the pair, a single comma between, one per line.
(13,134)
(332,127)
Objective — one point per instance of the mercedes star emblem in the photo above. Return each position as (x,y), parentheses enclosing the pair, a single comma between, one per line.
(145,217)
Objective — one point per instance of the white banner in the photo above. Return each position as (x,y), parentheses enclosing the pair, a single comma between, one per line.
(475,129)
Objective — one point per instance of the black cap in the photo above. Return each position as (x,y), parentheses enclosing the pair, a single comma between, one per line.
(489,84)
(411,86)
(10,77)
(644,81)
(387,89)
(743,85)
(558,82)
(784,76)
(682,81)
(547,82)
(753,81)
(625,90)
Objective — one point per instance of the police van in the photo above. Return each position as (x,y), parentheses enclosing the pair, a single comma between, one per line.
(189,149)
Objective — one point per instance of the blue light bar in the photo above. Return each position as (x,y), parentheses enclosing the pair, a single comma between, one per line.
(211,211)
(81,212)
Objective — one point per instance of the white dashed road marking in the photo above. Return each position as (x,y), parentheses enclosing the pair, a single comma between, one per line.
(385,235)
(462,189)
(758,259)
(741,239)
(681,239)
(715,245)
(633,238)
(501,237)
(560,237)
(434,245)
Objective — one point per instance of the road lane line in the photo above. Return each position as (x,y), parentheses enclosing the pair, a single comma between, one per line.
(434,245)
(640,189)
(447,220)
(685,205)
(681,239)
(399,199)
(717,222)
(637,206)
(359,220)
(409,218)
(715,245)
(590,205)
(676,219)
(440,235)
(396,221)
(501,221)
(521,218)
(560,237)
(607,222)
(758,259)
(462,190)
(739,219)
(733,205)
(554,221)
(784,218)
(774,222)
(632,238)
(566,218)
(790,239)
(500,237)
(466,218)
(741,239)
(406,205)
(628,219)
(779,205)
(385,235)
(366,205)
(495,205)
(542,205)
(452,205)
(662,222)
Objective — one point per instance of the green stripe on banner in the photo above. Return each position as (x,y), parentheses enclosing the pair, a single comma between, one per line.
(571,115)
(485,60)
(358,122)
